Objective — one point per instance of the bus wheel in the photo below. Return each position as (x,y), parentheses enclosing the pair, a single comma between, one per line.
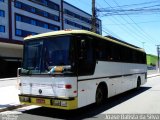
(138,83)
(100,96)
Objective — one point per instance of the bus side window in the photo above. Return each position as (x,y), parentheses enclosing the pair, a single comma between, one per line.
(86,56)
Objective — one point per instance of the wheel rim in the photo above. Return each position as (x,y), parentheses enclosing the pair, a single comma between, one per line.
(99,96)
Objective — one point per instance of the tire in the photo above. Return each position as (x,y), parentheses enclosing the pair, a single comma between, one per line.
(138,83)
(100,96)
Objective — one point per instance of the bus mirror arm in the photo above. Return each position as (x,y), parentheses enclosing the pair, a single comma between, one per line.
(19,72)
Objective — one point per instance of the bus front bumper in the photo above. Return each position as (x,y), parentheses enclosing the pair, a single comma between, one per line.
(59,103)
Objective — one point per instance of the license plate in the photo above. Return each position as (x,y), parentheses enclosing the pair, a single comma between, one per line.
(40,101)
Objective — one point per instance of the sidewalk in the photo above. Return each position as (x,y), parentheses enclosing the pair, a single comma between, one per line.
(9,96)
(153,75)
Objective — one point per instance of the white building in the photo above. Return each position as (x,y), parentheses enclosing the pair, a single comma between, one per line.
(20,18)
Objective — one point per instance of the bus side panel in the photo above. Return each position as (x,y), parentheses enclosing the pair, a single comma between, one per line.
(87,91)
(119,78)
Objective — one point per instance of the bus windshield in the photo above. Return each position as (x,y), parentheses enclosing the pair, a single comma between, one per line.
(43,54)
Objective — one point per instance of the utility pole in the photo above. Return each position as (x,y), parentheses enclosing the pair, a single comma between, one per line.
(93,27)
(158,51)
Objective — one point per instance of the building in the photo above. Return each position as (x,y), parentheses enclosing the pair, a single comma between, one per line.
(75,18)
(20,18)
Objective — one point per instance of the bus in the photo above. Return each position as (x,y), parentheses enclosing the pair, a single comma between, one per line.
(70,69)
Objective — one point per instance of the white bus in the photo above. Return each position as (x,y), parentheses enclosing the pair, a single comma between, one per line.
(74,68)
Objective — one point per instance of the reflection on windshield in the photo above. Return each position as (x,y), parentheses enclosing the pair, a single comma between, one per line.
(41,55)
(33,55)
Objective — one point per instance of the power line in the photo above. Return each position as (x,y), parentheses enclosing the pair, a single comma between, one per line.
(133,35)
(144,3)
(117,11)
(152,7)
(139,28)
(103,29)
(143,22)
(111,32)
(128,29)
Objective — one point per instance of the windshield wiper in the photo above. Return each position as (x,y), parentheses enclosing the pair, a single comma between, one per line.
(26,71)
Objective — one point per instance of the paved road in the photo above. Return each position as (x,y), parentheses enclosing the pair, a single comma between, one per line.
(145,100)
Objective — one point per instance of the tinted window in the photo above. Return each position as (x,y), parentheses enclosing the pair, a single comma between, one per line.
(86,57)
(2,28)
(42,54)
(2,13)
(109,51)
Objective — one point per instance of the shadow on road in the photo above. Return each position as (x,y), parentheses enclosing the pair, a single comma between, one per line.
(90,111)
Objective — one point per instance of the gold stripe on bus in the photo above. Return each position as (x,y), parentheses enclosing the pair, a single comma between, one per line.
(71,104)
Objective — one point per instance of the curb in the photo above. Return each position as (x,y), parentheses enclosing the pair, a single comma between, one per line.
(12,107)
(153,76)
(8,79)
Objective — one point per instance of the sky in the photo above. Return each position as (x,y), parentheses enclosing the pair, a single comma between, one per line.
(141,29)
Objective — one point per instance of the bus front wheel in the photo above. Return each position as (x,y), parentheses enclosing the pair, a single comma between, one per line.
(100,95)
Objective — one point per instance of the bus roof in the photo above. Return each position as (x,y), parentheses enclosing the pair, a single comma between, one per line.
(65,32)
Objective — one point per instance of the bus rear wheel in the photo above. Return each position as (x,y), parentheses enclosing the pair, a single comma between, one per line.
(138,83)
(100,96)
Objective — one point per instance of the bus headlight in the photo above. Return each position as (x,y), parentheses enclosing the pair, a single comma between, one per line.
(25,99)
(64,103)
(56,102)
(59,103)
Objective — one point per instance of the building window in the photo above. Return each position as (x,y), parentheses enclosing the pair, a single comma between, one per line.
(45,25)
(2,28)
(47,3)
(44,2)
(36,11)
(18,18)
(18,4)
(18,32)
(2,13)
(55,28)
(45,14)
(56,18)
(76,25)
(33,22)
(33,10)
(53,6)
(86,20)
(23,33)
